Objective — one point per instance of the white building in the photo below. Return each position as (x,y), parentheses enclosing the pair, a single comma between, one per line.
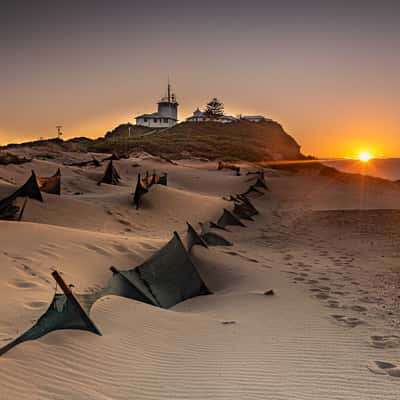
(255,118)
(165,117)
(201,116)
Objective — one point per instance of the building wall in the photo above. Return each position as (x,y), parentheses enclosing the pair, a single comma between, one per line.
(155,122)
(168,109)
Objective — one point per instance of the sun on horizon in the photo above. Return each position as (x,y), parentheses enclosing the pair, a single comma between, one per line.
(364,156)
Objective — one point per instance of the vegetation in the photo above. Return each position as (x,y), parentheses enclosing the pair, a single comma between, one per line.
(241,140)
(232,142)
(214,108)
(9,158)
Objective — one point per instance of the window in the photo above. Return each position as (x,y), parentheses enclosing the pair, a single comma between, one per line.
(166,120)
(155,119)
(145,119)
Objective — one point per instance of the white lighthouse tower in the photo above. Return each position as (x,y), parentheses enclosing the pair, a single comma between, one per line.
(166,116)
(168,105)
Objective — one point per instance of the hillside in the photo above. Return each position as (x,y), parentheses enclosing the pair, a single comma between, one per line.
(237,141)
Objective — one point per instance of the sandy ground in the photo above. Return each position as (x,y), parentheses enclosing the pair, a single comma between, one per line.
(329,250)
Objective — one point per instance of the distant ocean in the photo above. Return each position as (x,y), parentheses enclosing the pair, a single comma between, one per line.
(387,168)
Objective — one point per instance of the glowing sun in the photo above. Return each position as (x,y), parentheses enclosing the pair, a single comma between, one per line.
(364,156)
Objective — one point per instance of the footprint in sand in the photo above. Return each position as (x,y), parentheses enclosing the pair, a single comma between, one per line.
(48,253)
(322,296)
(22,284)
(385,368)
(338,285)
(34,305)
(27,269)
(385,342)
(123,222)
(51,245)
(48,247)
(340,293)
(370,299)
(121,248)
(18,258)
(351,322)
(97,249)
(231,253)
(147,246)
(253,260)
(333,304)
(316,290)
(358,308)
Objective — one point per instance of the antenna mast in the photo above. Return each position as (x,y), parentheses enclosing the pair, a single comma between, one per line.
(59,132)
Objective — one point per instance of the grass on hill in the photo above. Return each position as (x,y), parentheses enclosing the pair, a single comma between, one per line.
(237,141)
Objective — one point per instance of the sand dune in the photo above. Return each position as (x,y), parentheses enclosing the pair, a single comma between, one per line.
(330,331)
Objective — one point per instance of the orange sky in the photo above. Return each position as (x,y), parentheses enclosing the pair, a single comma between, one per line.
(324,135)
(327,73)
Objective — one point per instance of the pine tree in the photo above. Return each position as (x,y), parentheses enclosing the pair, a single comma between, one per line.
(215,108)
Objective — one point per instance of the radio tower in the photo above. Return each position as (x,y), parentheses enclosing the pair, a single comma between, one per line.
(59,132)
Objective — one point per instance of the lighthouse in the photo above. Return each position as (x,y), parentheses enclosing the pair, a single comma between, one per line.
(168,105)
(166,115)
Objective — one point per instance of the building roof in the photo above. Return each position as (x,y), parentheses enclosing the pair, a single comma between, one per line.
(154,115)
(230,117)
(255,117)
(197,114)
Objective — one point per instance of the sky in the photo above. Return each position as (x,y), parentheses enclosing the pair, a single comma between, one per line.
(328,71)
